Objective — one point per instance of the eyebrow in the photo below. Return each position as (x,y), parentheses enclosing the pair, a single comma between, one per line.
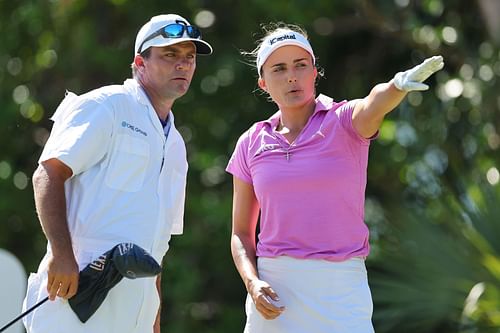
(294,61)
(300,59)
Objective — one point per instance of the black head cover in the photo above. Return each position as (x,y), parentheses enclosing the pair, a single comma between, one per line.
(97,278)
(133,262)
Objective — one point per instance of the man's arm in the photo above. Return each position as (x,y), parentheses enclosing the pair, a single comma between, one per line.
(50,202)
(157,324)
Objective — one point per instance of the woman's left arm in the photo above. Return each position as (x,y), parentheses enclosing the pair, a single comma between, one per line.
(370,111)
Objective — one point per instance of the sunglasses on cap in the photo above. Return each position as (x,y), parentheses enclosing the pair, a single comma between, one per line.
(174,30)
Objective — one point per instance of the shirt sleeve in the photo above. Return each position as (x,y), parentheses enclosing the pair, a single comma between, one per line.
(238,164)
(345,115)
(81,133)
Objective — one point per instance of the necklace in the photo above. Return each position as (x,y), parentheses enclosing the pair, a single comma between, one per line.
(288,154)
(285,148)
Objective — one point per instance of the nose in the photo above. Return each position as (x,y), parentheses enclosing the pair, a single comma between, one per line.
(292,77)
(184,64)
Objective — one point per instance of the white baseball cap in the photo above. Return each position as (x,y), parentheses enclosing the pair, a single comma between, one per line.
(279,38)
(169,29)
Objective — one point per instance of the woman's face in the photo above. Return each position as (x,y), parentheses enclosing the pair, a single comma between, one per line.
(288,76)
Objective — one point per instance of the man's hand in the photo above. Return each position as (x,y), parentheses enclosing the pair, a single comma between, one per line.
(412,79)
(265,299)
(62,277)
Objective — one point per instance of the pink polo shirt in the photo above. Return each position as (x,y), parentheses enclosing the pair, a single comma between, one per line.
(311,193)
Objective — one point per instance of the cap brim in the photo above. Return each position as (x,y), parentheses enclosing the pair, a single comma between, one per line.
(202,47)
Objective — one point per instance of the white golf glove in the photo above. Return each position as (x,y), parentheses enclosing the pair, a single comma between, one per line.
(412,79)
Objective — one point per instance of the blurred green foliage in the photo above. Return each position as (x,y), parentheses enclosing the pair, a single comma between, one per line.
(433,191)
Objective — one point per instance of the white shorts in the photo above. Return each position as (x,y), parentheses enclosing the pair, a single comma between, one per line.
(319,296)
(130,307)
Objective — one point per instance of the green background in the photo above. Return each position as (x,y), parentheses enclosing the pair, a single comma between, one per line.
(433,192)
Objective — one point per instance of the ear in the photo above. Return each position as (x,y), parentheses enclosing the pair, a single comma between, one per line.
(315,73)
(139,62)
(262,84)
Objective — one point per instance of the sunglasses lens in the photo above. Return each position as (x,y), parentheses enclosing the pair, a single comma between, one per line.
(174,30)
(193,32)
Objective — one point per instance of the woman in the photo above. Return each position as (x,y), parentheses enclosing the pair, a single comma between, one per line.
(304,171)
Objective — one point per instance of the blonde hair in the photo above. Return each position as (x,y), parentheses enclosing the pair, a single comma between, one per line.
(269,29)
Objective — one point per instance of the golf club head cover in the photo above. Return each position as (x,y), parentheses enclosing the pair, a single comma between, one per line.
(133,262)
(94,283)
(98,277)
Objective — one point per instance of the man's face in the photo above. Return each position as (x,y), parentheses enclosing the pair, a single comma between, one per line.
(168,71)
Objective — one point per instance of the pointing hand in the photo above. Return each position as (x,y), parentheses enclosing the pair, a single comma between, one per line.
(412,79)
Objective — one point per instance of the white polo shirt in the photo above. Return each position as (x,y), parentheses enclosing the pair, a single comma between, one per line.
(129,180)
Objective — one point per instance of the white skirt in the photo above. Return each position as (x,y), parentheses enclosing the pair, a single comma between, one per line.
(319,296)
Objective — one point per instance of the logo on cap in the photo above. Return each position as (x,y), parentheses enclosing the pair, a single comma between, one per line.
(99,263)
(281,38)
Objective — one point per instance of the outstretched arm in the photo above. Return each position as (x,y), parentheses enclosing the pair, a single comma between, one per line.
(370,111)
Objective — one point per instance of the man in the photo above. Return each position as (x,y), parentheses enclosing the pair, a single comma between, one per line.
(114,170)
